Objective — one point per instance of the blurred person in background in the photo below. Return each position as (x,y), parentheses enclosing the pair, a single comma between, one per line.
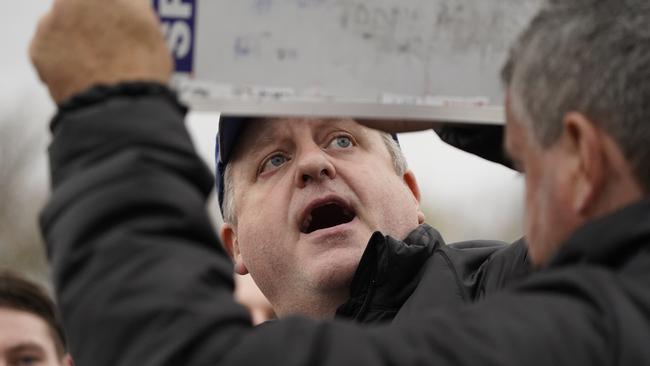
(30,330)
(248,294)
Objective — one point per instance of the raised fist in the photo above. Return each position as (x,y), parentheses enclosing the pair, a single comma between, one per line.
(80,43)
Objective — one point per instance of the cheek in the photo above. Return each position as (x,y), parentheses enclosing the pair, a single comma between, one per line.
(539,200)
(259,230)
(545,215)
(390,205)
(532,211)
(261,254)
(264,204)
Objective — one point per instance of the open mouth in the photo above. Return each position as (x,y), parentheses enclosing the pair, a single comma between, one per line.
(328,215)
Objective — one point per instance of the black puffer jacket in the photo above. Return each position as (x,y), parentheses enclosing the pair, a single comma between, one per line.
(141,279)
(401,279)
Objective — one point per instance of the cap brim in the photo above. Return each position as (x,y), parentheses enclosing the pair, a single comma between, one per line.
(230,128)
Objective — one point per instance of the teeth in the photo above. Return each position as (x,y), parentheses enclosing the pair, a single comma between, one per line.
(327,221)
(306,223)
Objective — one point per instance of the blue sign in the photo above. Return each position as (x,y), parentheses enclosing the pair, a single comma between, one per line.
(178,24)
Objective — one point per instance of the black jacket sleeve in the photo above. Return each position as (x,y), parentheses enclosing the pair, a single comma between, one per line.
(141,278)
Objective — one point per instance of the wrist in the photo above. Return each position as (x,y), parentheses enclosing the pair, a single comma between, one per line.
(100,93)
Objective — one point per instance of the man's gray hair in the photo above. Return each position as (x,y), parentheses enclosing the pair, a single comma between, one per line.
(228,205)
(592,57)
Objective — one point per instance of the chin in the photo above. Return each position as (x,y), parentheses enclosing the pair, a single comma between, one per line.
(335,271)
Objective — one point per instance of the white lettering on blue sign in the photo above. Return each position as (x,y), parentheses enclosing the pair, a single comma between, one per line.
(175,9)
(179,38)
(177,22)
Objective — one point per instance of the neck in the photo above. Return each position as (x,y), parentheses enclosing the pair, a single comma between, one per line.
(315,306)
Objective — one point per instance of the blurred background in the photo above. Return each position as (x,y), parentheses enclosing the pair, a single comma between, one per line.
(463,196)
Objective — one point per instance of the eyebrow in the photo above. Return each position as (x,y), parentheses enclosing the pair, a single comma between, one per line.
(27,346)
(258,141)
(267,136)
(261,142)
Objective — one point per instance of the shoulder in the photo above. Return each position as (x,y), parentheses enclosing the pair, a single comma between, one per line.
(483,266)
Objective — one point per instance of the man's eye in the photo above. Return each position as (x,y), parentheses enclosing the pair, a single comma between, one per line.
(341,142)
(27,360)
(273,162)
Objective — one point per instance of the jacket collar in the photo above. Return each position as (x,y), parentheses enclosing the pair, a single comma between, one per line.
(388,273)
(610,240)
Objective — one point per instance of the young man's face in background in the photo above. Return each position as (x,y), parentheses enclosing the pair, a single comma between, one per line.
(26,339)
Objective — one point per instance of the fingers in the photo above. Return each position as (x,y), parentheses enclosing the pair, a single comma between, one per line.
(80,43)
(34,44)
(38,51)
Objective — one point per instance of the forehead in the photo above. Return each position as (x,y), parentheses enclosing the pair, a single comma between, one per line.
(23,327)
(265,131)
(264,127)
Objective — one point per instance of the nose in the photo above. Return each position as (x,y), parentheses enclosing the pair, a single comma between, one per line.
(313,166)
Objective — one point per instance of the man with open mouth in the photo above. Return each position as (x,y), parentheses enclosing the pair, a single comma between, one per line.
(324,214)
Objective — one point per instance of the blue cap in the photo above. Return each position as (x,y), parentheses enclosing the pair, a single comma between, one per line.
(230,128)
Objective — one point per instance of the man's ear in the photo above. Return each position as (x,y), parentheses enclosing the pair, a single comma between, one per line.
(229,238)
(583,141)
(412,184)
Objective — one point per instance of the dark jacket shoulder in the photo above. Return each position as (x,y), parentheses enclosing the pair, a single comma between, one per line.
(397,279)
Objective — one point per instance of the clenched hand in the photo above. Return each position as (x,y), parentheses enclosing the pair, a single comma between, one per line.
(81,43)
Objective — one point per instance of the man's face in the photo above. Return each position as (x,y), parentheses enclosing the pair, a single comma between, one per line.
(25,339)
(550,217)
(308,196)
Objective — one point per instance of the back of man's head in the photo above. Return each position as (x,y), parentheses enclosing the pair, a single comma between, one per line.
(592,57)
(17,293)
